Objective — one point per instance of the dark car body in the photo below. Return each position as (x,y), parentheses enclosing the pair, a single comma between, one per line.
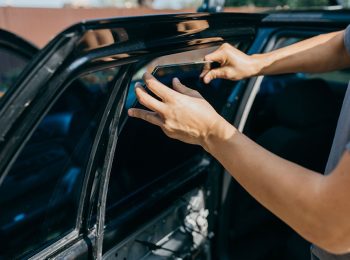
(79,179)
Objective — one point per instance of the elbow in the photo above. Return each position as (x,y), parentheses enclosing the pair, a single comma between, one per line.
(336,240)
(336,249)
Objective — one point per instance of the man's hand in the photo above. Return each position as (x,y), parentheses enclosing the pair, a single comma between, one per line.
(182,113)
(235,65)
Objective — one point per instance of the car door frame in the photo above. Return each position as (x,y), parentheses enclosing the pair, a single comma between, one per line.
(65,58)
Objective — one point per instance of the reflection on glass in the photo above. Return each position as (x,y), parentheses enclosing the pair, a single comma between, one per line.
(39,198)
(94,39)
(192,26)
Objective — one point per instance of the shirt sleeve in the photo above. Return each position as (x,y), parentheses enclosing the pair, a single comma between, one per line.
(347,147)
(347,39)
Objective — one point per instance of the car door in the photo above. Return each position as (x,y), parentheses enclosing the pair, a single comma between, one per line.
(64,131)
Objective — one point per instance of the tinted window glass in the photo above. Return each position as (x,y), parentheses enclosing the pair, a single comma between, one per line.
(11,66)
(144,153)
(39,198)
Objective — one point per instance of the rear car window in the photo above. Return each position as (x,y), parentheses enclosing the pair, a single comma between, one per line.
(11,65)
(40,196)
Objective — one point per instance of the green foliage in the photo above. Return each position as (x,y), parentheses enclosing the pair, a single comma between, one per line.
(275,3)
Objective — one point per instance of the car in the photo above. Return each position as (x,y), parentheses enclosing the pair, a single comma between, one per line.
(79,179)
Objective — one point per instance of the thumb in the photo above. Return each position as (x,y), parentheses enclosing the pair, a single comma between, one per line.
(181,88)
(214,74)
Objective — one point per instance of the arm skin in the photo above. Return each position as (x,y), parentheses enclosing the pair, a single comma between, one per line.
(325,52)
(322,53)
(314,205)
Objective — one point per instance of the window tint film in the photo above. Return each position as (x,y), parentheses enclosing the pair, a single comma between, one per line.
(11,66)
(144,154)
(39,198)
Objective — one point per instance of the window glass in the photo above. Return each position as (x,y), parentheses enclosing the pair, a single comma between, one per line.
(11,66)
(39,198)
(144,154)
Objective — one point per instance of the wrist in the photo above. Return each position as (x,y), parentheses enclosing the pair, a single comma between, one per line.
(260,63)
(220,132)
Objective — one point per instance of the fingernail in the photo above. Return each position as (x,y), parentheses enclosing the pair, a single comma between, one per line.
(130,112)
(147,74)
(177,80)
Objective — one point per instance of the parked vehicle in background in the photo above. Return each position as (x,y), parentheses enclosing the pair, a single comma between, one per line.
(80,179)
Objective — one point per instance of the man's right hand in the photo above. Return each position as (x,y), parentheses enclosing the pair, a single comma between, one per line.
(234,64)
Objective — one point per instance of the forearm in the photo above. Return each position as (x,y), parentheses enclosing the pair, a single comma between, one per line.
(293,193)
(322,53)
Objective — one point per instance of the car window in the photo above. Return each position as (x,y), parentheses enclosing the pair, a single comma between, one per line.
(11,65)
(39,198)
(144,154)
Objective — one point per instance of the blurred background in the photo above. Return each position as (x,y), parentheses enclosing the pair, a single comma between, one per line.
(39,20)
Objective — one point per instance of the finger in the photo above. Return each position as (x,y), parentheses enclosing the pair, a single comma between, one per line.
(206,68)
(148,116)
(147,100)
(179,87)
(162,91)
(214,74)
(218,56)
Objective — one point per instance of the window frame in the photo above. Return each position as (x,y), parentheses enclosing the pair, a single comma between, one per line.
(80,227)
